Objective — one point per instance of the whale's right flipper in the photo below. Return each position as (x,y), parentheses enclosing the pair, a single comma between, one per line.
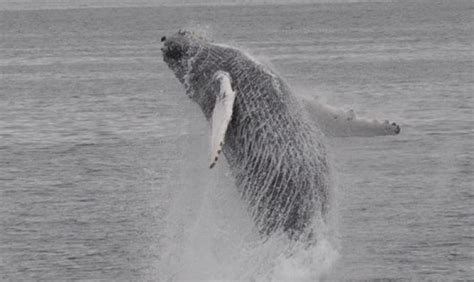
(338,123)
(221,115)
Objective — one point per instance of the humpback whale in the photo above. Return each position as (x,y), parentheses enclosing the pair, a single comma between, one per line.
(275,152)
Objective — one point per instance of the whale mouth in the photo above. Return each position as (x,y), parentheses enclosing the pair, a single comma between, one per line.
(181,46)
(172,51)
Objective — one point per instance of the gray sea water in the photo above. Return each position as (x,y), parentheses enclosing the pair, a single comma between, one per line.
(103,160)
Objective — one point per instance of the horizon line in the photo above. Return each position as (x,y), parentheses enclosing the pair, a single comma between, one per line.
(31,5)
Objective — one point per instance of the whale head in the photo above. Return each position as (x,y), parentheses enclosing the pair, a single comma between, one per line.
(179,49)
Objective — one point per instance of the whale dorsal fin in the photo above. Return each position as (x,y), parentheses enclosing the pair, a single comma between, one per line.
(221,115)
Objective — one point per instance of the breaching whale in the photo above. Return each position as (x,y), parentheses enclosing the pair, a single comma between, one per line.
(276,154)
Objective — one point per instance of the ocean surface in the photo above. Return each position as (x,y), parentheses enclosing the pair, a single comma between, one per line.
(104,161)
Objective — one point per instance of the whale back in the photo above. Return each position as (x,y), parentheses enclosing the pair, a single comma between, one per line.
(276,156)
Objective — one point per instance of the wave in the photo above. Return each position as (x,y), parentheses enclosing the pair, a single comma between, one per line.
(210,235)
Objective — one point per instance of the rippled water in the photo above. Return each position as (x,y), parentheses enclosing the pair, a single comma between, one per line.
(99,147)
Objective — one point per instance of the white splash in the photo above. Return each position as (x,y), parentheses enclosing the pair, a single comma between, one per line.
(211,236)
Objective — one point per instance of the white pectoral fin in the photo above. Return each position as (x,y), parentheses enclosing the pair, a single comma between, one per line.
(339,123)
(221,115)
